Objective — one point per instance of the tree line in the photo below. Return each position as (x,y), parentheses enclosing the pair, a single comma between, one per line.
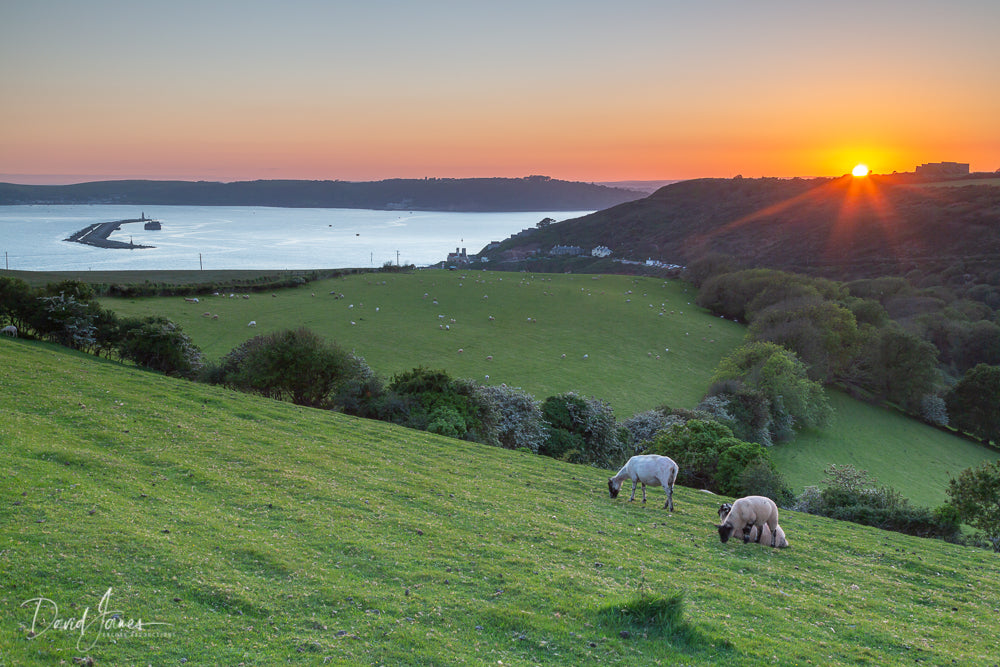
(881,340)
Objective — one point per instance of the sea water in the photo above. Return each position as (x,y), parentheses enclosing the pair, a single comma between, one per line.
(32,238)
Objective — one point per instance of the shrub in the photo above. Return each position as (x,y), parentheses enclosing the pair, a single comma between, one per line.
(934,410)
(975,499)
(158,344)
(520,424)
(852,495)
(295,365)
(696,447)
(733,461)
(644,426)
(761,478)
(431,400)
(67,321)
(583,431)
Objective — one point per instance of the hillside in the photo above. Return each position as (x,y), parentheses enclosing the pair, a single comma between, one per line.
(646,346)
(261,533)
(843,228)
(533,193)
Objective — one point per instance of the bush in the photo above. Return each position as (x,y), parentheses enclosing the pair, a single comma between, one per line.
(733,461)
(520,424)
(158,344)
(852,495)
(67,321)
(644,427)
(975,499)
(431,400)
(761,478)
(933,410)
(583,431)
(295,365)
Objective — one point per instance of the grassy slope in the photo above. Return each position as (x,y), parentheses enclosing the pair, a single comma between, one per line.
(900,452)
(270,534)
(575,315)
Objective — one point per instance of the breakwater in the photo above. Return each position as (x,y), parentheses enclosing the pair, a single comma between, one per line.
(97,235)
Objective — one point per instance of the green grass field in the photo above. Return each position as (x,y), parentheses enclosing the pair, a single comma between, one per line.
(900,452)
(615,320)
(624,325)
(262,533)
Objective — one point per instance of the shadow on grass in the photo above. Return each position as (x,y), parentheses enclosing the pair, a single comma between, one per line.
(648,616)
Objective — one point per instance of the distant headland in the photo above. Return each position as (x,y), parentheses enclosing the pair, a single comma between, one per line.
(473,195)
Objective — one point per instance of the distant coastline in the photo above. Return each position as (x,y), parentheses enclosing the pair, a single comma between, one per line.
(470,195)
(97,235)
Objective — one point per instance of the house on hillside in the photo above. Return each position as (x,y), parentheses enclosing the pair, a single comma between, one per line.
(943,169)
(568,250)
(601,251)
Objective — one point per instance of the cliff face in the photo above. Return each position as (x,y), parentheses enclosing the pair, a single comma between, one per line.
(842,228)
(534,193)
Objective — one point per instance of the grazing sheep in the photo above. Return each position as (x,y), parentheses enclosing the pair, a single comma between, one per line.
(780,541)
(644,469)
(9,330)
(252,323)
(746,513)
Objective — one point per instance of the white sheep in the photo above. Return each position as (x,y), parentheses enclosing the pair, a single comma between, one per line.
(9,330)
(749,511)
(252,323)
(644,469)
(765,533)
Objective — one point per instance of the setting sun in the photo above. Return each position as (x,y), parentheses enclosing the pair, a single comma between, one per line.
(860,170)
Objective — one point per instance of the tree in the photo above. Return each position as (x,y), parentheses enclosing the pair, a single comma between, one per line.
(902,368)
(16,302)
(823,334)
(777,373)
(974,403)
(67,321)
(976,497)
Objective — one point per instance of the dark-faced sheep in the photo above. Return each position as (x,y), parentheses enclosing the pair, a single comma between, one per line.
(644,469)
(780,540)
(747,513)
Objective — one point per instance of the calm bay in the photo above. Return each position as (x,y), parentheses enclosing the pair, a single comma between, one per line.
(32,237)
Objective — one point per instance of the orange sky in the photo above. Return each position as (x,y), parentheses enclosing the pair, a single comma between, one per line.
(581,90)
